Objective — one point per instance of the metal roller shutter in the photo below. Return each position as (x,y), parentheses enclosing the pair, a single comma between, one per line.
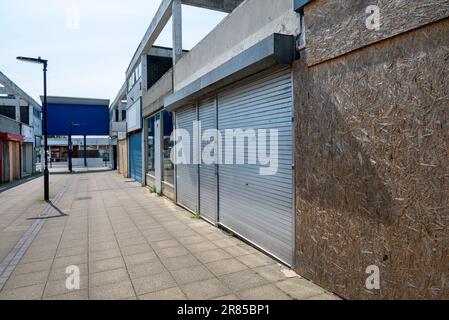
(260,208)
(187,174)
(135,156)
(208,176)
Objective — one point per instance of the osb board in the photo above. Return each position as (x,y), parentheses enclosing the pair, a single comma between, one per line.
(336,27)
(372,178)
(123,157)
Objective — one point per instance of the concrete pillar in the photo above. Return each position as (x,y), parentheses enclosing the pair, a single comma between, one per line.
(158,157)
(144,66)
(120,109)
(177,30)
(30,115)
(144,150)
(17,106)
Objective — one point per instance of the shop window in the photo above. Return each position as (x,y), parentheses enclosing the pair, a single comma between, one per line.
(169,169)
(151,145)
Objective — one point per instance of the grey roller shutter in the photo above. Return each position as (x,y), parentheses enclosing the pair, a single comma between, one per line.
(208,177)
(259,208)
(187,174)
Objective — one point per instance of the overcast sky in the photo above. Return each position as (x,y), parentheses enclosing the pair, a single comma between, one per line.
(89,43)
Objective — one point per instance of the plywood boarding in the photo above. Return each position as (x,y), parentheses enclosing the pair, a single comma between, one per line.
(123,157)
(373,168)
(336,27)
(14,160)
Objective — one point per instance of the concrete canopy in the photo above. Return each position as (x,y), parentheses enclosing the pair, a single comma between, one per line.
(164,14)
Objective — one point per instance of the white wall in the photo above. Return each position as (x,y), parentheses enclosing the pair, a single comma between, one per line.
(134,116)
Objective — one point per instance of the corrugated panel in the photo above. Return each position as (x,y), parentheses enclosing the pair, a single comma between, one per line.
(260,208)
(187,174)
(135,156)
(208,177)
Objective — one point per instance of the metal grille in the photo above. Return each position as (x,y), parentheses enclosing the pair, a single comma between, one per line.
(208,177)
(187,174)
(260,208)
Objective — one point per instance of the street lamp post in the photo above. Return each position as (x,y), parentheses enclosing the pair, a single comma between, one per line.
(44,62)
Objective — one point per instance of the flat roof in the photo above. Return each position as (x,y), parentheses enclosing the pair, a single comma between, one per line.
(76,100)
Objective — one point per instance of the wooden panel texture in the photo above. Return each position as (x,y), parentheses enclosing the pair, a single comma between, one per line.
(336,27)
(372,178)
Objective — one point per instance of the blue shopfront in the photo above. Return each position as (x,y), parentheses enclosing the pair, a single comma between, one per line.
(135,156)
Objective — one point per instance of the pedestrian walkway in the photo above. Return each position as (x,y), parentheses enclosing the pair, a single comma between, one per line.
(128,244)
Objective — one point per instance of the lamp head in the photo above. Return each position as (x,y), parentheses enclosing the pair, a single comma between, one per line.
(37,60)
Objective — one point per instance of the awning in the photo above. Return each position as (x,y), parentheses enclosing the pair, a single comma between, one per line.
(11,137)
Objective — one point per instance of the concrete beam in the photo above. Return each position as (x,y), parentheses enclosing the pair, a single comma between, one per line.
(120,96)
(158,23)
(8,125)
(7,102)
(162,17)
(76,100)
(11,87)
(17,107)
(217,5)
(164,52)
(177,30)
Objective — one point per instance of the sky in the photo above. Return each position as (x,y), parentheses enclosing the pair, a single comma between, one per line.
(89,43)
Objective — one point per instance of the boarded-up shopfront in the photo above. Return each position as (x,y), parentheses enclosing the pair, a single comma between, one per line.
(123,157)
(10,168)
(372,112)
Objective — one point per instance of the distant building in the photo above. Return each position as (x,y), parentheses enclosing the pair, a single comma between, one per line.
(20,132)
(80,127)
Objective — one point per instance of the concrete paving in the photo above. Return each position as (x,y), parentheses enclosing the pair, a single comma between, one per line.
(127,244)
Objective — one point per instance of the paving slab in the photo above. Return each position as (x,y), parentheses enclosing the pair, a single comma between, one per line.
(223,267)
(191,274)
(206,289)
(268,292)
(241,280)
(167,294)
(113,291)
(153,283)
(299,288)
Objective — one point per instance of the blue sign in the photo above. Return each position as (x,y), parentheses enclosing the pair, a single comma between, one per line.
(80,119)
